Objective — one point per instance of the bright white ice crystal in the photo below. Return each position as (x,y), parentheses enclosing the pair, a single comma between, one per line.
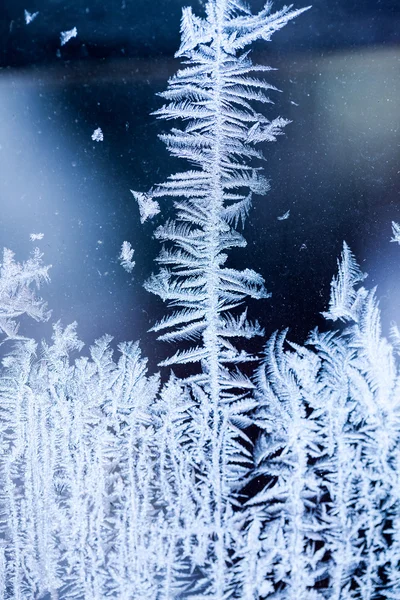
(97,135)
(220,480)
(65,36)
(29,17)
(125,257)
(36,236)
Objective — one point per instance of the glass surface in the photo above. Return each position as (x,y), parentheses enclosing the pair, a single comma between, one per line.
(78,90)
(336,169)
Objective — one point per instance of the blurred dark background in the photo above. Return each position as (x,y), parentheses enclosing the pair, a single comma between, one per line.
(336,170)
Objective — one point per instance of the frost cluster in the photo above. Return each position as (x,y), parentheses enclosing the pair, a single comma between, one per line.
(238,476)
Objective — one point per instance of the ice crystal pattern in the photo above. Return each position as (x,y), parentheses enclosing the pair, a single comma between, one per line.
(125,257)
(97,135)
(36,237)
(65,36)
(148,208)
(219,483)
(395,232)
(29,17)
(216,95)
(285,216)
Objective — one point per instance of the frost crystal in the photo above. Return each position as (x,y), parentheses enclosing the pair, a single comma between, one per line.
(97,135)
(65,36)
(278,482)
(36,236)
(344,296)
(395,232)
(215,99)
(148,208)
(284,216)
(125,257)
(17,290)
(29,17)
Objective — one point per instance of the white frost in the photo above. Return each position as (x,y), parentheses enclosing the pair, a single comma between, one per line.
(36,236)
(125,257)
(29,17)
(285,216)
(148,207)
(115,485)
(65,36)
(396,232)
(97,135)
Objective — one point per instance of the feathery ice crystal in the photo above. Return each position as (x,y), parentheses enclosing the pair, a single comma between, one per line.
(284,484)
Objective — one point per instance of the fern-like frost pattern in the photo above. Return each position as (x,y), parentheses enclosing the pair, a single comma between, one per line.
(237,476)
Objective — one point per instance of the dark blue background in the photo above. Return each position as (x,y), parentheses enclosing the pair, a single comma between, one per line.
(337,169)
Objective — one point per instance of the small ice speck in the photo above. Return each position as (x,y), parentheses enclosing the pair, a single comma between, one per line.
(30,16)
(395,232)
(36,236)
(285,216)
(65,36)
(97,135)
